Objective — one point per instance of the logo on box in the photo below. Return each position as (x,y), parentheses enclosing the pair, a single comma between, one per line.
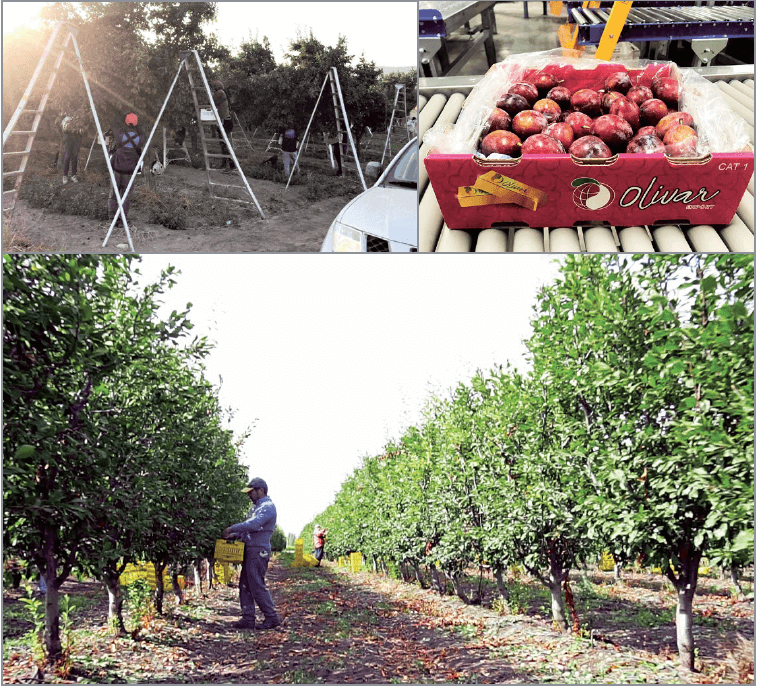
(589,194)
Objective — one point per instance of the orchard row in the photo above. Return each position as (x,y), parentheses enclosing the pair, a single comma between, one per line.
(632,432)
(114,443)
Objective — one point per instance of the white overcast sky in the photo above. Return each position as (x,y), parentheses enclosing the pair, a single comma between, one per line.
(334,355)
(386,32)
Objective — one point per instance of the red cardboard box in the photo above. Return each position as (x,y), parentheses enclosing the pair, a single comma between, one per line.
(562,191)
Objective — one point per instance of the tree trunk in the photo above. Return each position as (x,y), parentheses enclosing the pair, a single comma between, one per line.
(686,586)
(419,576)
(684,628)
(177,591)
(147,176)
(439,581)
(556,577)
(53,647)
(460,589)
(617,571)
(408,571)
(503,591)
(210,573)
(158,595)
(115,603)
(735,582)
(198,577)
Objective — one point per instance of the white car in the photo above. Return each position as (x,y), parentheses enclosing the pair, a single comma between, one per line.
(385,217)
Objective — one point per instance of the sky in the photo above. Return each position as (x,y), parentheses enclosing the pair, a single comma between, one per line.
(330,358)
(386,32)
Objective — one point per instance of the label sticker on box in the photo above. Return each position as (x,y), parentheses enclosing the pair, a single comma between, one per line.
(511,189)
(470,196)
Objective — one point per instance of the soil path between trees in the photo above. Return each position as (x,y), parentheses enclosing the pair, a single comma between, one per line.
(293,223)
(292,231)
(339,627)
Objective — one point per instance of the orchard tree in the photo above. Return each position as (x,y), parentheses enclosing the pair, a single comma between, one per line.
(69,323)
(278,540)
(292,89)
(534,491)
(130,52)
(148,410)
(247,80)
(658,354)
(194,488)
(460,454)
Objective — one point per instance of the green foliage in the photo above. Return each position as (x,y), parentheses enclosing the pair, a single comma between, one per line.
(633,431)
(278,540)
(277,97)
(138,599)
(35,608)
(115,443)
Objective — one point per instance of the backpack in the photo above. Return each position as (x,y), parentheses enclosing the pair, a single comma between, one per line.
(289,141)
(128,151)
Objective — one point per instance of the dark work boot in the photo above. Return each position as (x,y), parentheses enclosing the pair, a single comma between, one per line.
(243,623)
(270,622)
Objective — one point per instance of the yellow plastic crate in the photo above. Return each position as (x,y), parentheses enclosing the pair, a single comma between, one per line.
(223,572)
(230,551)
(298,551)
(132,573)
(607,562)
(151,579)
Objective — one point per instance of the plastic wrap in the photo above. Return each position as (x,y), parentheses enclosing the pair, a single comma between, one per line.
(718,128)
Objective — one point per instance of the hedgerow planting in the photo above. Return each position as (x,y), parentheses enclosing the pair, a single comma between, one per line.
(631,432)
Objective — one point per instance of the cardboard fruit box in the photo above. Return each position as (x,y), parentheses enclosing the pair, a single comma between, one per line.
(563,191)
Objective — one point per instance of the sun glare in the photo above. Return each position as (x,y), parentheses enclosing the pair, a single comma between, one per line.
(16,15)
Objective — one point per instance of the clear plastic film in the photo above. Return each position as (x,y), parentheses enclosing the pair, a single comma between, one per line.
(718,128)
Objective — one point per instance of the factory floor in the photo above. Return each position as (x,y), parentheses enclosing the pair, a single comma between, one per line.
(515,34)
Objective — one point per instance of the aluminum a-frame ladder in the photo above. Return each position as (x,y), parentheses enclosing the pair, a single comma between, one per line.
(273,144)
(399,90)
(342,127)
(25,108)
(241,128)
(166,149)
(190,61)
(186,59)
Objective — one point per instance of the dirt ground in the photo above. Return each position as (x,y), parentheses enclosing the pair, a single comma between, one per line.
(339,627)
(51,216)
(292,224)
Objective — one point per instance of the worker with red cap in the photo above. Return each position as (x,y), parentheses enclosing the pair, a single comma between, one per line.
(128,142)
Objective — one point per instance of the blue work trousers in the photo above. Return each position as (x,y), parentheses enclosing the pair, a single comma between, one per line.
(252,586)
